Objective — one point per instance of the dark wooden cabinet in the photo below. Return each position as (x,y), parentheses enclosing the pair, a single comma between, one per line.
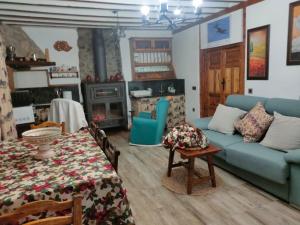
(105,104)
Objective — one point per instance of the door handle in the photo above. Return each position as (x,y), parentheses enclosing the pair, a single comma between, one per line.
(223,84)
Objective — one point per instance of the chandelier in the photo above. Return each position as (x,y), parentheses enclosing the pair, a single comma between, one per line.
(172,18)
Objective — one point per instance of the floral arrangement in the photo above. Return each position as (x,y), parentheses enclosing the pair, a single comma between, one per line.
(185,136)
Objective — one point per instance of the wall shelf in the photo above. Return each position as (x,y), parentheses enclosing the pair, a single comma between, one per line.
(24,65)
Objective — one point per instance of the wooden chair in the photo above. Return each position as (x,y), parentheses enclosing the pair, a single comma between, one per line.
(36,207)
(98,134)
(50,124)
(111,153)
(109,149)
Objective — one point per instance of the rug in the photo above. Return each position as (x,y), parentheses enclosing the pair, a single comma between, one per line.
(177,182)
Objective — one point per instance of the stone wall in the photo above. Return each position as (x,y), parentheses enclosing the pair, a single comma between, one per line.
(86,58)
(15,36)
(112,50)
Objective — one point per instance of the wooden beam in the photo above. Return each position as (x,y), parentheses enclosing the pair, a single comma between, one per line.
(19,23)
(109,7)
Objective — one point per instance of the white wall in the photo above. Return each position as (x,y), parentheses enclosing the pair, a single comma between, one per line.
(186,62)
(45,37)
(236,31)
(284,81)
(125,54)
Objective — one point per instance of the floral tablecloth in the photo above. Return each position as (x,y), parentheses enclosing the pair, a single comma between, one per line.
(79,166)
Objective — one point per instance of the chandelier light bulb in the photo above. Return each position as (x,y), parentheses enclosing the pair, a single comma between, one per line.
(163,1)
(177,12)
(197,3)
(145,10)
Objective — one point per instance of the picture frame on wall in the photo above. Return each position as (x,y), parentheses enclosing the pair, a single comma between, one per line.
(218,30)
(258,44)
(293,46)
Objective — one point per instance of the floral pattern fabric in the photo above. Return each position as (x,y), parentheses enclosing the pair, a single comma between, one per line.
(255,123)
(7,123)
(79,166)
(184,137)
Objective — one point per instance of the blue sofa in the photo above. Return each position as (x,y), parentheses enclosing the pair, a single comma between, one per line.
(272,170)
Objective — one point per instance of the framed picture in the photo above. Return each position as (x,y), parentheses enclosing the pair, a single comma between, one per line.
(218,30)
(293,48)
(258,40)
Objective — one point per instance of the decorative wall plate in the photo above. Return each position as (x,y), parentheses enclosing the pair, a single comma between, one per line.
(62,46)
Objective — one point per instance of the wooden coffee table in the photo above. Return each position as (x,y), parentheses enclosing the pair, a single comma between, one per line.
(190,155)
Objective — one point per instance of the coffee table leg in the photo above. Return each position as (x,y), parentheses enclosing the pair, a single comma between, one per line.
(171,159)
(211,170)
(190,175)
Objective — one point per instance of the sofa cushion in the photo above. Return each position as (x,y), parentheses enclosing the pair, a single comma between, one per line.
(224,119)
(259,160)
(284,133)
(255,124)
(222,140)
(244,102)
(202,123)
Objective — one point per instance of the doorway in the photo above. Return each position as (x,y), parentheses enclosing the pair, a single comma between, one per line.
(222,74)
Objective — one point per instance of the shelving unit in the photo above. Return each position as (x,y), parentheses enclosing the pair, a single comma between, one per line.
(24,65)
(151,59)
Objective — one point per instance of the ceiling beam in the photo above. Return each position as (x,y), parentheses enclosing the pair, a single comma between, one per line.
(105,6)
(18,23)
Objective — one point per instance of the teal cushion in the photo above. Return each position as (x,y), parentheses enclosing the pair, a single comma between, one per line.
(222,140)
(244,102)
(202,123)
(260,160)
(286,107)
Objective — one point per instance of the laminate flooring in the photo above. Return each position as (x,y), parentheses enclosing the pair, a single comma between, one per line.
(236,202)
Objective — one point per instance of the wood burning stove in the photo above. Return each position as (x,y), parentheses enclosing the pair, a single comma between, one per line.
(105,104)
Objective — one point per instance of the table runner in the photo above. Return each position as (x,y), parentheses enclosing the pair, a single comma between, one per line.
(79,166)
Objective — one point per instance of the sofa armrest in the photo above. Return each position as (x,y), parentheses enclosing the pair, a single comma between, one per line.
(146,115)
(202,123)
(293,156)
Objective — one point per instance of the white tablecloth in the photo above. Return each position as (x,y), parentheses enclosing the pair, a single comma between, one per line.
(68,111)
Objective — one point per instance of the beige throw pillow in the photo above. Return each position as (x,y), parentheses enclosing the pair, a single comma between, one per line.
(224,118)
(255,124)
(283,134)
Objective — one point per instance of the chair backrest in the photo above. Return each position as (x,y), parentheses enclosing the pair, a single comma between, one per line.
(162,108)
(98,134)
(111,153)
(50,124)
(69,111)
(107,147)
(36,207)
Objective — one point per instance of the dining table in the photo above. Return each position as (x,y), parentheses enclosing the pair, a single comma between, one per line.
(79,166)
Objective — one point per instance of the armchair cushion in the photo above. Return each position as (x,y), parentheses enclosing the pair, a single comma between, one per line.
(143,131)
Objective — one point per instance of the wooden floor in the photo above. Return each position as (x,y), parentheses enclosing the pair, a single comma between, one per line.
(236,202)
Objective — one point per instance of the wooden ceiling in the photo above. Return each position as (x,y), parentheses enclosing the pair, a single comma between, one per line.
(99,13)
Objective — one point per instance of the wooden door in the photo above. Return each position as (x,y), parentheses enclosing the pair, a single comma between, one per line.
(222,74)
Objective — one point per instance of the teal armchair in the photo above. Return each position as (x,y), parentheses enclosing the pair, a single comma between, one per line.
(148,131)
